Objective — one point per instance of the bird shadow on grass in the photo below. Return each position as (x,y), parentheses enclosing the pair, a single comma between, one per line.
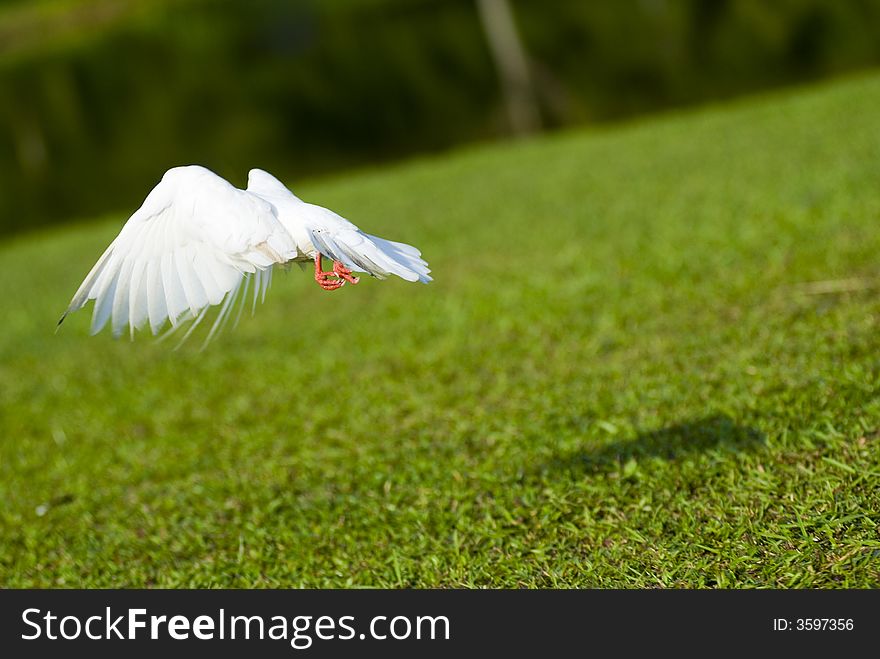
(716,433)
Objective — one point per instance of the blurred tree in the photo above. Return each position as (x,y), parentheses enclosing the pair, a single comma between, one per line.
(512,64)
(99,97)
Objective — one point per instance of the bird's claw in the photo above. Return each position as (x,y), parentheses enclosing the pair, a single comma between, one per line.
(328,281)
(344,273)
(334,279)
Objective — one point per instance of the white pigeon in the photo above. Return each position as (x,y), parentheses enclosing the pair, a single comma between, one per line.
(197,241)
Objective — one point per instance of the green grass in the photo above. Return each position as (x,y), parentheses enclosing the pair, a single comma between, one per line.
(621,377)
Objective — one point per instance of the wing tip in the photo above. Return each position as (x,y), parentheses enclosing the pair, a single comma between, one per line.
(61,320)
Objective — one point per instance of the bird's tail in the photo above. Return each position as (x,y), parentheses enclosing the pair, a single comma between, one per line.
(375,256)
(403,255)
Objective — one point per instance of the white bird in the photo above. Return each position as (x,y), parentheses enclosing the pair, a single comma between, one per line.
(197,241)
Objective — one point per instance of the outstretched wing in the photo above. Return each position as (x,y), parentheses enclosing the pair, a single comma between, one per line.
(190,245)
(335,237)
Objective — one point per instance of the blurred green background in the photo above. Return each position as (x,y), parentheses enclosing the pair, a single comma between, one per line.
(650,356)
(99,97)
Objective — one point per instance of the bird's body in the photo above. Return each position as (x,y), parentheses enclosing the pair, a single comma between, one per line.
(197,240)
(318,230)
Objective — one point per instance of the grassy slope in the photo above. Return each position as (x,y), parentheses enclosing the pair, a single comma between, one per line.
(617,379)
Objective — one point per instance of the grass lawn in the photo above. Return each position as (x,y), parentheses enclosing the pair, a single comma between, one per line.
(624,375)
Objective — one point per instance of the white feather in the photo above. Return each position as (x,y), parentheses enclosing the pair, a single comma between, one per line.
(184,249)
(197,241)
(193,290)
(319,230)
(137,299)
(175,297)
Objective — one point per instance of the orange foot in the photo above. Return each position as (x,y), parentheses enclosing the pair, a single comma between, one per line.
(334,279)
(344,273)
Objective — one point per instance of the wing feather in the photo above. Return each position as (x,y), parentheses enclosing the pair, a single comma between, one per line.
(195,294)
(156,308)
(175,297)
(120,299)
(188,247)
(267,281)
(104,299)
(137,299)
(205,273)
